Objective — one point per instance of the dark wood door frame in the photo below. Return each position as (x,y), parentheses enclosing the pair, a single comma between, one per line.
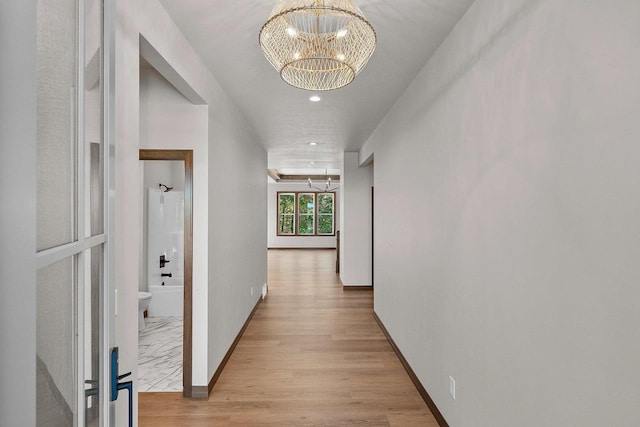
(187,339)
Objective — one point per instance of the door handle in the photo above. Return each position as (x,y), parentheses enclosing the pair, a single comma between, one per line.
(117,385)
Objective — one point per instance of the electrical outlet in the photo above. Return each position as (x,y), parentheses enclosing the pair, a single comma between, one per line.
(452,387)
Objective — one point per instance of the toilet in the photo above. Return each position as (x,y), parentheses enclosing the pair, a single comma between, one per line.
(144,298)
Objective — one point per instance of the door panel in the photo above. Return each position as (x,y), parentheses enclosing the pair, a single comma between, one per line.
(72,328)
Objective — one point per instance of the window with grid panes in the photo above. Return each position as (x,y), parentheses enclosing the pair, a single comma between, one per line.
(326,223)
(306,214)
(286,214)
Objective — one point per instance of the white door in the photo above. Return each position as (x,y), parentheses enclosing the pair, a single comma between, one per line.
(74,326)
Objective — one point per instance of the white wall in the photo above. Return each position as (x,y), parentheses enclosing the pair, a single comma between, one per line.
(168,120)
(275,241)
(355,217)
(507,216)
(231,145)
(237,225)
(18,212)
(168,172)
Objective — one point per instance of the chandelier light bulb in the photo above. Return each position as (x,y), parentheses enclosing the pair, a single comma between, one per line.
(327,184)
(292,31)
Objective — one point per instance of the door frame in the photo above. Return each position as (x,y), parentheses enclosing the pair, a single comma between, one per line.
(187,337)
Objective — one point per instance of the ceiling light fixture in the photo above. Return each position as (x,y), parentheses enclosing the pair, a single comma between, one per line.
(313,143)
(327,184)
(317,44)
(315,98)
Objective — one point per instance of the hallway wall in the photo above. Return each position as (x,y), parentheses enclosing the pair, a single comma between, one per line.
(233,150)
(355,236)
(507,215)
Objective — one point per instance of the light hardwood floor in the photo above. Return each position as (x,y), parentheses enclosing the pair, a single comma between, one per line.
(312,355)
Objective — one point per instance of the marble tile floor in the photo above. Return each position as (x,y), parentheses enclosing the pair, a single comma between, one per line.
(160,355)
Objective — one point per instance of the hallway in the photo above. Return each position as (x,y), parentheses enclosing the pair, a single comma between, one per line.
(312,355)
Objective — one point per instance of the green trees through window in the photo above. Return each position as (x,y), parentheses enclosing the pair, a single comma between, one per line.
(286,213)
(306,214)
(326,203)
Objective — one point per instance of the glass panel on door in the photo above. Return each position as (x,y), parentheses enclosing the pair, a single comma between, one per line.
(55,344)
(57,56)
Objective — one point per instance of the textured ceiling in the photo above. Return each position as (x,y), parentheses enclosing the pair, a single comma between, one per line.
(225,35)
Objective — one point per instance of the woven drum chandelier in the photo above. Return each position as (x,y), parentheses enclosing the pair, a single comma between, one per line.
(317,44)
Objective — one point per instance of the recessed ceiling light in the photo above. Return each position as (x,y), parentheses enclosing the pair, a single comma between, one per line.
(314,98)
(313,143)
(312,163)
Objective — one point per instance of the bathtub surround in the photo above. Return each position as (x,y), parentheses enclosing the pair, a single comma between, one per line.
(165,237)
(170,172)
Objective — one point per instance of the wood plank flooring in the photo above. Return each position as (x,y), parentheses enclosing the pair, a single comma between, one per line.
(312,355)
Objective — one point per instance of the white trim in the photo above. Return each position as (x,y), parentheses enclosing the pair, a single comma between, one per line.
(80,176)
(107,410)
(58,253)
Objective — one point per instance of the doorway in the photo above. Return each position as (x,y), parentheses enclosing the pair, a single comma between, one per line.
(185,156)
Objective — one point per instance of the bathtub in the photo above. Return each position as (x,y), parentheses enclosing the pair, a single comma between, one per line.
(167,299)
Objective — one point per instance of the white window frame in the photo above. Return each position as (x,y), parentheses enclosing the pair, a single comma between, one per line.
(332,214)
(312,214)
(292,215)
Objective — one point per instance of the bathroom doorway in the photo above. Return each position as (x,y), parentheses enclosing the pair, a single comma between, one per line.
(167,259)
